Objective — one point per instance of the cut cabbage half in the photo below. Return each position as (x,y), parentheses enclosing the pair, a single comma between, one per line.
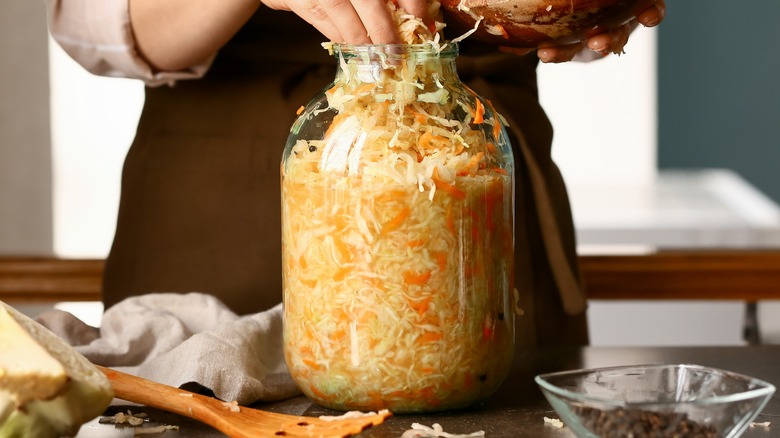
(47,389)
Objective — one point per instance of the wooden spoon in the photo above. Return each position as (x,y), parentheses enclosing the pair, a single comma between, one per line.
(230,419)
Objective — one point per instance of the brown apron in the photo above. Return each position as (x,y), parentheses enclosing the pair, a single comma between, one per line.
(200,200)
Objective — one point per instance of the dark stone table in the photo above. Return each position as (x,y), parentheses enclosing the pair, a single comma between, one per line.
(518,408)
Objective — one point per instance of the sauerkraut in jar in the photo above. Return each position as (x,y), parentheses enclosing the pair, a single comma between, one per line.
(397,228)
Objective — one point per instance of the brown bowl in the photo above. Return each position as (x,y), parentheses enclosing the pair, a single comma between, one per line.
(529,23)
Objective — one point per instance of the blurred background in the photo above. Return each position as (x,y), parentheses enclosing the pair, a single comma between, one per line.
(673,145)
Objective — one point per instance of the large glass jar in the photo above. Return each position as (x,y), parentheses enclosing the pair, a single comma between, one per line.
(397,236)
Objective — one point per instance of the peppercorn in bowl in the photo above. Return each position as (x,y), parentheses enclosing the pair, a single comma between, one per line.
(667,400)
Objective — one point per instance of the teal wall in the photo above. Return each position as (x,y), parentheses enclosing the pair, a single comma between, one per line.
(719,88)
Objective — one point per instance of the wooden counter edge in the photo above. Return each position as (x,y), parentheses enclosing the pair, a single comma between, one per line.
(673,275)
(49,279)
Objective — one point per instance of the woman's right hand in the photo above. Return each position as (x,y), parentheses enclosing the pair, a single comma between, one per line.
(351,21)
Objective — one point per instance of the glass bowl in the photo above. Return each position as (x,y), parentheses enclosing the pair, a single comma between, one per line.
(655,400)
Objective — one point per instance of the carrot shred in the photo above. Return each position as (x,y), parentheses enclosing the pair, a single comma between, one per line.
(376,400)
(496,121)
(339,334)
(300,110)
(340,274)
(479,112)
(308,359)
(312,364)
(474,164)
(377,283)
(396,222)
(414,278)
(429,394)
(364,89)
(342,248)
(317,393)
(429,337)
(504,33)
(309,283)
(450,220)
(451,189)
(448,188)
(415,243)
(429,141)
(391,195)
(487,332)
(425,139)
(439,140)
(441,260)
(420,307)
(337,120)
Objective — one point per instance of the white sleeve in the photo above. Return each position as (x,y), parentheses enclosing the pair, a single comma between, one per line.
(98,35)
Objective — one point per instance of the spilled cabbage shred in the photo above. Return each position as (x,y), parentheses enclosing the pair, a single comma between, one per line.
(437,431)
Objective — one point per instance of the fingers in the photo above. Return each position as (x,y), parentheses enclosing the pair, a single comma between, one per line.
(361,21)
(653,15)
(603,44)
(310,11)
(615,40)
(418,8)
(351,21)
(555,54)
(610,42)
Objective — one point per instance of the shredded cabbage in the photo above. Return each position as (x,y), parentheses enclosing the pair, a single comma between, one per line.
(398,235)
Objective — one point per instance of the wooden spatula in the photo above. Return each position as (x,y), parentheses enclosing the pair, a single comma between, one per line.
(232,420)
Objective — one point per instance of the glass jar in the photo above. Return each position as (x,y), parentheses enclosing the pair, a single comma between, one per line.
(397,236)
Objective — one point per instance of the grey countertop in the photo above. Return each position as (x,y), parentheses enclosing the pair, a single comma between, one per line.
(518,408)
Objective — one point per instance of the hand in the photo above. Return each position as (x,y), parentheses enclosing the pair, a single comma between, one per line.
(601,44)
(351,21)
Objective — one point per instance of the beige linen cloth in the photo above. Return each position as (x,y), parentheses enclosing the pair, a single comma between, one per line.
(186,340)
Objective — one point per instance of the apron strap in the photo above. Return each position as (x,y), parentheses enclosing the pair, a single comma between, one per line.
(569,287)
(563,265)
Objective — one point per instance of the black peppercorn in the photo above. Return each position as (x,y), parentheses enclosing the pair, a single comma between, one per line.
(639,423)
(312,148)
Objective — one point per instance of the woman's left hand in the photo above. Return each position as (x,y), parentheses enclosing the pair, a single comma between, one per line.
(601,44)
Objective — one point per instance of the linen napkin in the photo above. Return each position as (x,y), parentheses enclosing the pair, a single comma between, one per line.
(184,340)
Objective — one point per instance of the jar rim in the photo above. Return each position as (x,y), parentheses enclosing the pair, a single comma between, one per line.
(445,50)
